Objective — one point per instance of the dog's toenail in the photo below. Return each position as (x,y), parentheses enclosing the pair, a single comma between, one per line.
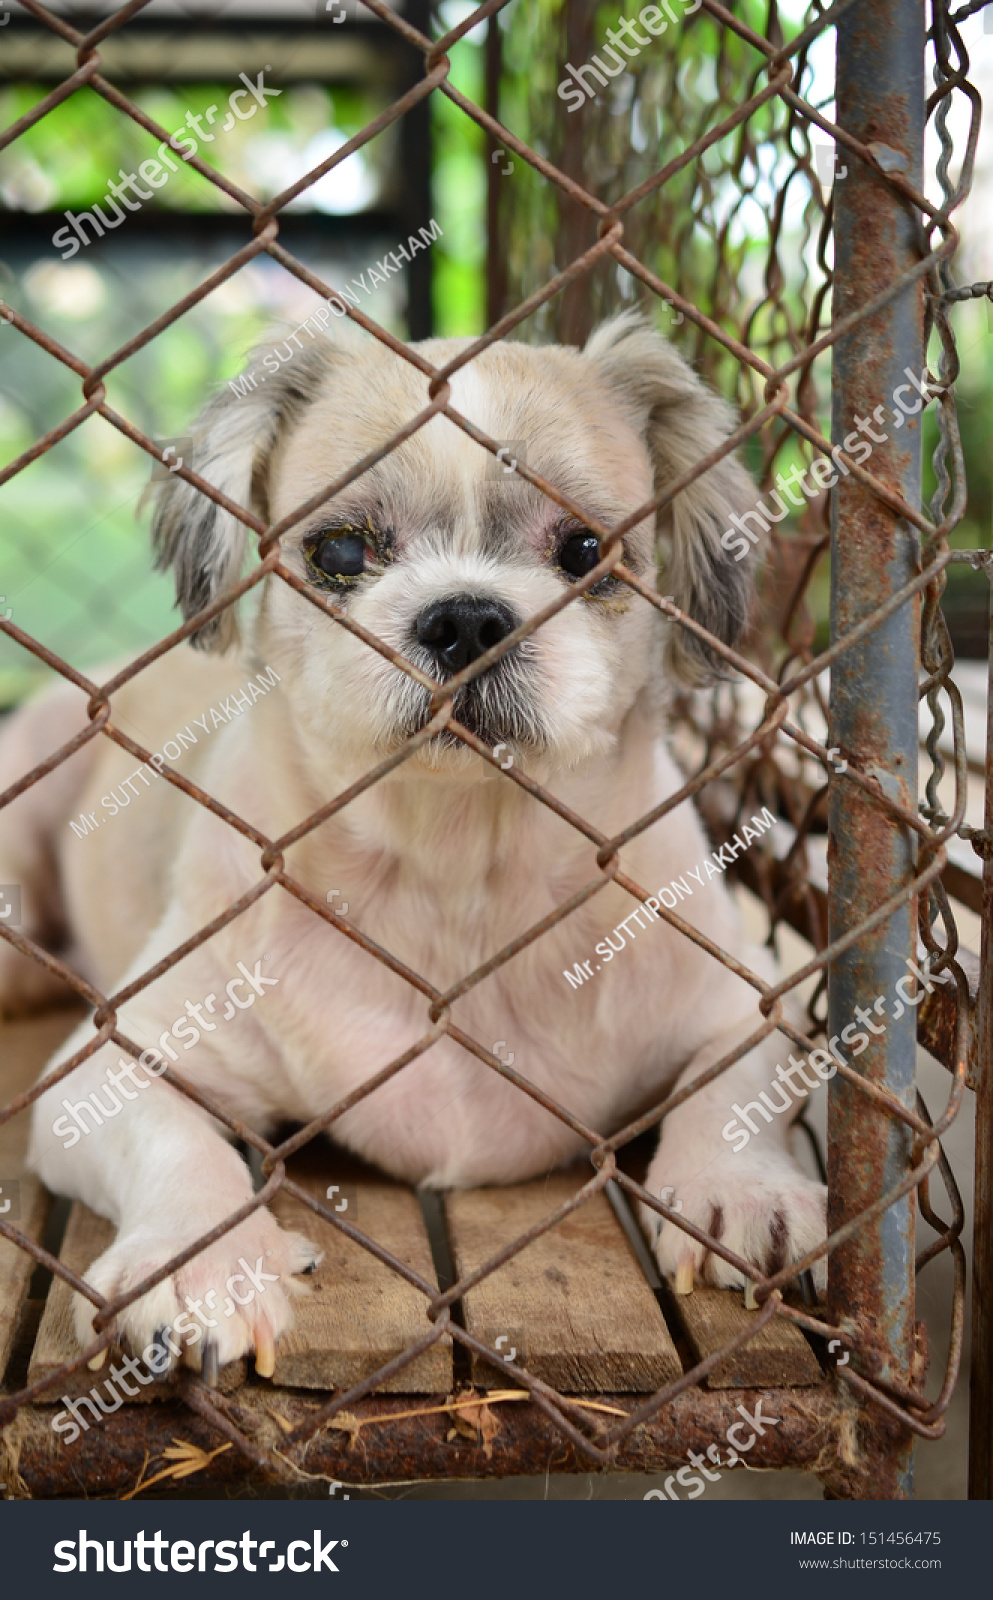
(209,1364)
(163,1354)
(684,1275)
(265,1352)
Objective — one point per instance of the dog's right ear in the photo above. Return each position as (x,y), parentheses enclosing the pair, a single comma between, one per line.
(233,441)
(682,420)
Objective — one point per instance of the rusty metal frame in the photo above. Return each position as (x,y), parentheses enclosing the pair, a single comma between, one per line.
(874,552)
(869,1245)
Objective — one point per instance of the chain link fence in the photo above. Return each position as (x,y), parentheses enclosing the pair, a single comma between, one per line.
(740,246)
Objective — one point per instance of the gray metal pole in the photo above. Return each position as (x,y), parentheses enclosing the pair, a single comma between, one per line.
(881,100)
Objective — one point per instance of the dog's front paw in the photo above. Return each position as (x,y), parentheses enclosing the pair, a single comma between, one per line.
(230,1300)
(767,1212)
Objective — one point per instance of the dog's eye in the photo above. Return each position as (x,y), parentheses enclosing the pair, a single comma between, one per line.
(579,554)
(341,555)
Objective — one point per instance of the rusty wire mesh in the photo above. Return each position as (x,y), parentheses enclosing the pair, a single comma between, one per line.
(755,736)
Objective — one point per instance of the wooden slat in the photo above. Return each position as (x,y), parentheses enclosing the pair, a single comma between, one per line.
(574,1301)
(360,1313)
(24,1049)
(86,1237)
(778,1355)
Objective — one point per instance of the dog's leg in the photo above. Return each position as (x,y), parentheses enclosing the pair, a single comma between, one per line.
(160,1168)
(29,827)
(743,1188)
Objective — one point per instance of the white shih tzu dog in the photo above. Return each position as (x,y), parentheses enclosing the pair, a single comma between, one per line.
(442,862)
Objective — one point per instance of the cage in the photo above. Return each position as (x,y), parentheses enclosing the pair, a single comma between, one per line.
(776,219)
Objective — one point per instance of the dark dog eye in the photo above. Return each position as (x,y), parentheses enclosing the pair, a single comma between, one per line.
(341,556)
(579,554)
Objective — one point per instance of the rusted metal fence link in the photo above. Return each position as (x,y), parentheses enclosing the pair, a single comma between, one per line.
(613,228)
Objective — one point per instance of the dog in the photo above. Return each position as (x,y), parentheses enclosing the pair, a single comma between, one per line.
(443,861)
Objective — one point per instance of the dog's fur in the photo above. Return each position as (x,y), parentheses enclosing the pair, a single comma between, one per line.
(444,861)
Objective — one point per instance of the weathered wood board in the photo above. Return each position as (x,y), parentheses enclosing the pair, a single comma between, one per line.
(574,1305)
(359,1313)
(777,1355)
(574,1302)
(24,1048)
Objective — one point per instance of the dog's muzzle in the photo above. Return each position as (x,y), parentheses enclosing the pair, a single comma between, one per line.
(501,703)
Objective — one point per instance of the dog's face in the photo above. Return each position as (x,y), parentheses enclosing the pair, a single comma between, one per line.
(440,559)
(440,553)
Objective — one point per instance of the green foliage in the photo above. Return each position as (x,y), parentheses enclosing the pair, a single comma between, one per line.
(68,158)
(740,229)
(459,183)
(75,561)
(74,566)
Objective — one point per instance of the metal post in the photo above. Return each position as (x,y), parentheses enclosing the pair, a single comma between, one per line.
(415,201)
(881,100)
(981,1375)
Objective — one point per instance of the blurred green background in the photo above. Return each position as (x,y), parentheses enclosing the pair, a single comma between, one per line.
(74,564)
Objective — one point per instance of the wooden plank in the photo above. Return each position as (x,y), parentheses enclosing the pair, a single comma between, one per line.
(16,1266)
(86,1237)
(359,1313)
(778,1355)
(574,1302)
(24,1048)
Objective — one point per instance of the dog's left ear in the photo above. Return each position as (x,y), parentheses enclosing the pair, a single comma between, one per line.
(682,421)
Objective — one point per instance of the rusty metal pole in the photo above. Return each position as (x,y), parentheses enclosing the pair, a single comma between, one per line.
(981,1375)
(881,100)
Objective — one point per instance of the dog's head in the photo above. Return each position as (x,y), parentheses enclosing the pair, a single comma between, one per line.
(440,552)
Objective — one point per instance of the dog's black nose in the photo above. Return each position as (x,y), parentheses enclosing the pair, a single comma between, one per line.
(460,629)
